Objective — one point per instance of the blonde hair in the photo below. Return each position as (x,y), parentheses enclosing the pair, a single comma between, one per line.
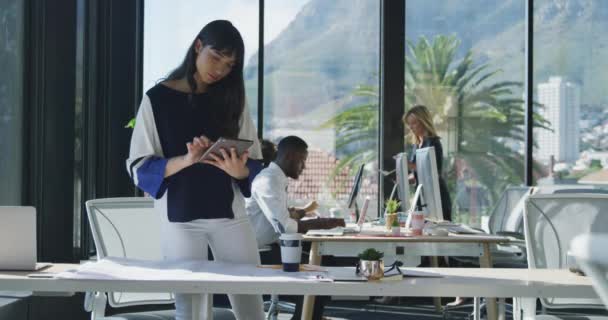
(423,115)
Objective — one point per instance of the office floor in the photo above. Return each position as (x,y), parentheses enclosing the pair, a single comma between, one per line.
(405,308)
(422,308)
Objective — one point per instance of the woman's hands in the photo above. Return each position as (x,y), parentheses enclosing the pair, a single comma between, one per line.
(196,149)
(231,163)
(411,178)
(411,165)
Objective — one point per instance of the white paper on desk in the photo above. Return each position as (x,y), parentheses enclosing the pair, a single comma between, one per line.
(337,231)
(187,270)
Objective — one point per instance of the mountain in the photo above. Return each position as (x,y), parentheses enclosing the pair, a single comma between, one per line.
(332,46)
(309,61)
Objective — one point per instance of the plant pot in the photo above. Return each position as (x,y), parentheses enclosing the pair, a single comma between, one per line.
(389,219)
(396,231)
(371,269)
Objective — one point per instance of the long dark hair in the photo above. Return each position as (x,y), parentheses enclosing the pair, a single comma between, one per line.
(227,94)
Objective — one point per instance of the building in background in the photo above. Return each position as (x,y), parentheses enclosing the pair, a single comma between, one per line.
(561,100)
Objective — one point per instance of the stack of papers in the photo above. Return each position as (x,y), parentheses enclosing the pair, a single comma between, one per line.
(187,270)
(337,231)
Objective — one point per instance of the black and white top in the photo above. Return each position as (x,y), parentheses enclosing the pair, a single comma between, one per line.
(165,122)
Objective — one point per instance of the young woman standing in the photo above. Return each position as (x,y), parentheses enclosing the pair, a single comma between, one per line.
(423,134)
(200,202)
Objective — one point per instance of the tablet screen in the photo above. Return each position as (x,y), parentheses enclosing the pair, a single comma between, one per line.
(240,145)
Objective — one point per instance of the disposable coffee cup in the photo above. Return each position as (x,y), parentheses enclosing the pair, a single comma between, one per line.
(417,222)
(291,251)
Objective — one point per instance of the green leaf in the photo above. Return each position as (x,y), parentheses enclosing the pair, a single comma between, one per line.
(371,254)
(131,124)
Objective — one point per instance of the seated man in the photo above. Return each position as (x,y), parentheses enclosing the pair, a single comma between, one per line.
(268,211)
(267,208)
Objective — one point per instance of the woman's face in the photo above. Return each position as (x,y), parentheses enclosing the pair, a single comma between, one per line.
(415,125)
(213,65)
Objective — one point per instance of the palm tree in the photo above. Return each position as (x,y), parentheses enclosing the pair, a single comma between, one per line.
(356,130)
(479,118)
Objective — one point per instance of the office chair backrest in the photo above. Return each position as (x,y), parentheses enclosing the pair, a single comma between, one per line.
(508,206)
(514,219)
(550,224)
(130,228)
(591,255)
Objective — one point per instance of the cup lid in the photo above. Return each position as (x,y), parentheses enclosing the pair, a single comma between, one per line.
(291,236)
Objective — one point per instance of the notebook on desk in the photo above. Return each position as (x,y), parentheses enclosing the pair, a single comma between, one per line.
(457,228)
(337,231)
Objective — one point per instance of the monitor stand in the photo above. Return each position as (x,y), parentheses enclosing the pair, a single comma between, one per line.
(418,197)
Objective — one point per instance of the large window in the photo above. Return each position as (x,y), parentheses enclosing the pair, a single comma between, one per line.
(321,67)
(570,75)
(170,28)
(465,62)
(11,101)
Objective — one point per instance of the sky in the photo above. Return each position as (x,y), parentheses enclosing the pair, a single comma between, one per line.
(170,27)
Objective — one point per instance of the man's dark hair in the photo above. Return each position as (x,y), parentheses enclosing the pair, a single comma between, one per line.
(291,144)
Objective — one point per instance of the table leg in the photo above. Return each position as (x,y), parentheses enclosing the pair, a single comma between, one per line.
(309,301)
(476,307)
(436,300)
(502,312)
(525,308)
(485,261)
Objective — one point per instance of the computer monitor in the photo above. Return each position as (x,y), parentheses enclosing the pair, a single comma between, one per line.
(402,183)
(352,199)
(428,182)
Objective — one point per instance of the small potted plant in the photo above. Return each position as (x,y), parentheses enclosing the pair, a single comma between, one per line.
(392,206)
(396,228)
(370,264)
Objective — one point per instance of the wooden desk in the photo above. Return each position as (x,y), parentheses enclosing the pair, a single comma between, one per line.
(464,282)
(395,247)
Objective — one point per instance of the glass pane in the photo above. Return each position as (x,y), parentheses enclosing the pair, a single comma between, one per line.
(79,121)
(465,62)
(570,77)
(321,83)
(171,26)
(11,101)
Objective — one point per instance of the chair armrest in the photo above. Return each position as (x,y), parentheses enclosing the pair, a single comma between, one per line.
(509,248)
(516,235)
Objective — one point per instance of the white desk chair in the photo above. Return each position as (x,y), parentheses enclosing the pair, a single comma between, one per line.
(130,228)
(507,207)
(589,251)
(551,221)
(508,218)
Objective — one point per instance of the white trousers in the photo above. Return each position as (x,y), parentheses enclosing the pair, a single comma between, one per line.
(230,240)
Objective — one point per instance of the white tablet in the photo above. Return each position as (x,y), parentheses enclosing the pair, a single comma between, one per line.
(240,145)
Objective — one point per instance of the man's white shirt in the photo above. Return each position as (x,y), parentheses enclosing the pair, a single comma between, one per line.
(267,207)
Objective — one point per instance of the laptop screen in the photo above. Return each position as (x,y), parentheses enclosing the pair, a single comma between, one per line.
(17,228)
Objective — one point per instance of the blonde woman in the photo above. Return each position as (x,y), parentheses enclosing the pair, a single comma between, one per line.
(423,134)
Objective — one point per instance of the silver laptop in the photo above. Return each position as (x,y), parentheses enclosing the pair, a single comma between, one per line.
(18,239)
